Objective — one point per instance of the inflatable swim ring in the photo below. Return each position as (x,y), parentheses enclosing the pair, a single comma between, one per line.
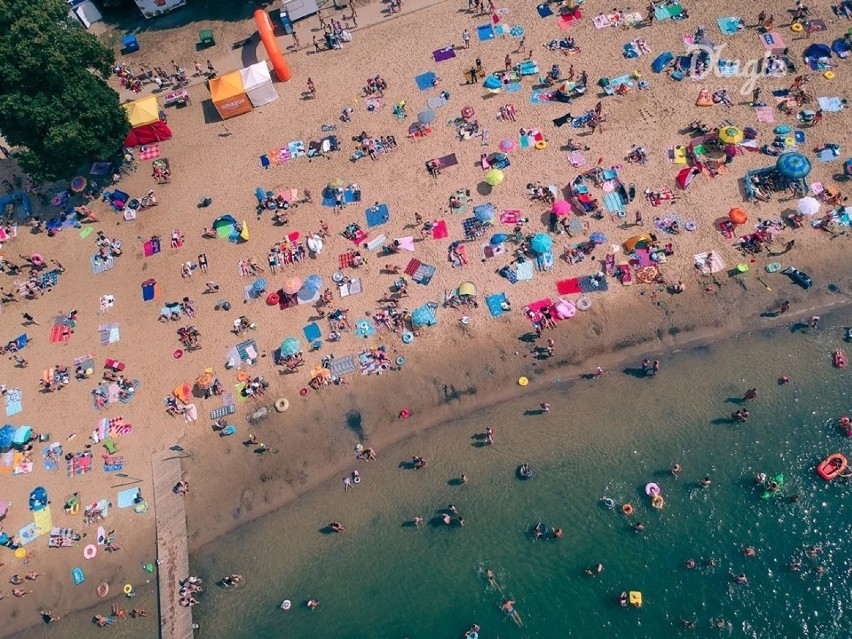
(407,337)
(523,381)
(286,604)
(102,590)
(773,267)
(400,361)
(797,27)
(541,145)
(467,112)
(627,509)
(75,508)
(658,502)
(282,404)
(90,551)
(20,553)
(609,502)
(128,589)
(652,489)
(356,479)
(273,299)
(303,391)
(622,214)
(177,354)
(691,226)
(584,303)
(828,75)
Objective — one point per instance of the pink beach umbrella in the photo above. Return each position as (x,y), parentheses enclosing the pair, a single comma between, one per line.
(292,285)
(561,207)
(507,145)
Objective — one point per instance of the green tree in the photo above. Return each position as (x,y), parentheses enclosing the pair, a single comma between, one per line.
(54,99)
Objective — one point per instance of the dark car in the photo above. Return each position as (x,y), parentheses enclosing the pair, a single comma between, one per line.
(799,277)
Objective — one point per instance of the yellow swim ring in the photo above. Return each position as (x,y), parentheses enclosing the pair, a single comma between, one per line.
(797,27)
(541,145)
(128,589)
(658,502)
(828,75)
(523,381)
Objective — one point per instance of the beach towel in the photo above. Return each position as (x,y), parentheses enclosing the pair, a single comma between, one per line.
(727,69)
(151,247)
(447,53)
(125,497)
(412,266)
(541,96)
(569,19)
(43,520)
(346,259)
(77,464)
(377,215)
(730,26)
(376,242)
(512,87)
(439,230)
(664,12)
(222,411)
(830,105)
(52,456)
(99,265)
(510,217)
(544,261)
(602,21)
(109,333)
(343,366)
(425,81)
(828,154)
(765,114)
(569,287)
(436,102)
(149,290)
(772,40)
(588,284)
(352,287)
(151,152)
(312,332)
(264,161)
(525,271)
(27,534)
(59,333)
(423,274)
(470,226)
(447,161)
(577,159)
(613,202)
(490,251)
(495,304)
(533,309)
(364,327)
(405,243)
(485,32)
(646,274)
(358,237)
(544,10)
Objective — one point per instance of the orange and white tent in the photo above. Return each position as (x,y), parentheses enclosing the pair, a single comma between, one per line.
(229,95)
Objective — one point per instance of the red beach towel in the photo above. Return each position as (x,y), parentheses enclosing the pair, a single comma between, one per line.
(567,287)
(439,231)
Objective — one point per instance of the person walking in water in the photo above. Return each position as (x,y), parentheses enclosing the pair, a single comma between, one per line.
(750,394)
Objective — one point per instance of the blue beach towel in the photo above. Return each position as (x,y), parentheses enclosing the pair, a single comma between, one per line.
(424,80)
(728,68)
(126,497)
(312,332)
(494,303)
(485,32)
(829,155)
(544,10)
(512,87)
(613,202)
(541,96)
(364,327)
(729,26)
(830,105)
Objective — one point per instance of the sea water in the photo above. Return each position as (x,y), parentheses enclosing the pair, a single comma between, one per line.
(603,437)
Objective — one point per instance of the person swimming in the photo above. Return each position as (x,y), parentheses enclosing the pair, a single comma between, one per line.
(492,579)
(508,606)
(622,599)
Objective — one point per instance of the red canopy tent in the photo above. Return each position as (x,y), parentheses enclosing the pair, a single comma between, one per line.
(148,134)
(144,118)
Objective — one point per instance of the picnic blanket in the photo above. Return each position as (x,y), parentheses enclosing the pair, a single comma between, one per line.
(343,366)
(425,81)
(151,152)
(423,274)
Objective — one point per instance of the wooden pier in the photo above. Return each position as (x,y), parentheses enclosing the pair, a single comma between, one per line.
(172,550)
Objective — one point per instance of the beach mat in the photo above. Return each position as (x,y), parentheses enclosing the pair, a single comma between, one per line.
(568,287)
(343,366)
(447,161)
(485,32)
(544,10)
(425,81)
(436,102)
(587,285)
(447,53)
(541,96)
(125,497)
(439,231)
(100,265)
(412,267)
(772,40)
(43,520)
(831,105)
(525,271)
(377,215)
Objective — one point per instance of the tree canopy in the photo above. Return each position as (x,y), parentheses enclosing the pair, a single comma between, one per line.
(54,99)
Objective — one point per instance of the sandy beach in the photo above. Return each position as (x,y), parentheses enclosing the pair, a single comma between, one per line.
(449,369)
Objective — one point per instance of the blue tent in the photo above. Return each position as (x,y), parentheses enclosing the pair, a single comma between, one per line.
(22,435)
(424,316)
(661,61)
(816,51)
(498,238)
(38,499)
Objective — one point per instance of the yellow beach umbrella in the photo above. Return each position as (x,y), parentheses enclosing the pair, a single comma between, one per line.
(731,135)
(467,288)
(494,177)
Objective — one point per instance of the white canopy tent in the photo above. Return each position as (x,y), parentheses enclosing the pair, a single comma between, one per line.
(258,84)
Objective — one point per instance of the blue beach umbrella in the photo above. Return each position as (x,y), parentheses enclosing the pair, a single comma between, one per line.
(541,243)
(7,434)
(498,238)
(484,212)
(290,346)
(313,283)
(793,165)
(597,238)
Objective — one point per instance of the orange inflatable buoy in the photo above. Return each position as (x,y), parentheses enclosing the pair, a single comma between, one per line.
(627,509)
(738,216)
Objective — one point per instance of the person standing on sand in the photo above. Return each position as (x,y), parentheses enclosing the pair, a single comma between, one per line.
(785,306)
(545,407)
(750,394)
(466,39)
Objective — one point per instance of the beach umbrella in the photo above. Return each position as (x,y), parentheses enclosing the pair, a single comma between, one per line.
(561,207)
(597,238)
(686,176)
(494,177)
(22,435)
(484,213)
(507,145)
(292,285)
(808,206)
(541,243)
(737,216)
(7,434)
(426,116)
(206,379)
(259,286)
(183,393)
(498,238)
(517,31)
(793,165)
(731,135)
(78,184)
(336,183)
(290,346)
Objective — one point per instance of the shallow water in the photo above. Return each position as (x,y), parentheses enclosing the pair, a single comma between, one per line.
(603,437)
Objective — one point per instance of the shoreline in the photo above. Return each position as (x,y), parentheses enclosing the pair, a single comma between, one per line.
(565,373)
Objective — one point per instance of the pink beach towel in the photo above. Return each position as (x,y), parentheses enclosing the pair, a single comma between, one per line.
(765,114)
(359,237)
(439,231)
(149,152)
(536,307)
(510,217)
(772,40)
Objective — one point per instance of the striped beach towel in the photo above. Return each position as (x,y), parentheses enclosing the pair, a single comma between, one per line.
(99,265)
(149,152)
